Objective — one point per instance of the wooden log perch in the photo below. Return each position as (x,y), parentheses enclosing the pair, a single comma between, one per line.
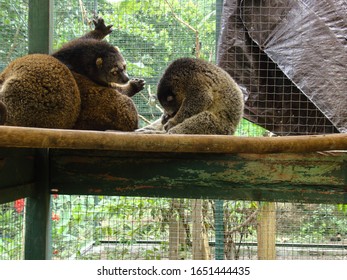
(21,137)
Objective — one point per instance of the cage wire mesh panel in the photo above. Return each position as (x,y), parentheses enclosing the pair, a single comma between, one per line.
(13,30)
(102,227)
(13,44)
(289,58)
(148,34)
(92,227)
(11,230)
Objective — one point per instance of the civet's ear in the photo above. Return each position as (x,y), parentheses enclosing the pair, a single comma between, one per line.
(99,62)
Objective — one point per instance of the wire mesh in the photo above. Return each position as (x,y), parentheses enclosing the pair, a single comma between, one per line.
(13,30)
(148,35)
(11,230)
(91,227)
(272,48)
(134,228)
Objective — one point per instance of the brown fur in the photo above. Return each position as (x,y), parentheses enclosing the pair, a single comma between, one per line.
(97,60)
(39,91)
(199,98)
(104,108)
(100,73)
(3,113)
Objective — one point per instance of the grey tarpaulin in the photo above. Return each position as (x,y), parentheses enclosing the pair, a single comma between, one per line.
(290,59)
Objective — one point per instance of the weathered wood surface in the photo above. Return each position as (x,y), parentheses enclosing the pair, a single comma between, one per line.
(266,231)
(117,141)
(193,166)
(314,177)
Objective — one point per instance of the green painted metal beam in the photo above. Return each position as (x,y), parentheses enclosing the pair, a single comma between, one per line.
(16,192)
(314,177)
(17,173)
(38,213)
(40,26)
(37,220)
(219,229)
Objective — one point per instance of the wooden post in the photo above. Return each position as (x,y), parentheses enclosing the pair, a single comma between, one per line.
(266,231)
(174,230)
(172,143)
(200,247)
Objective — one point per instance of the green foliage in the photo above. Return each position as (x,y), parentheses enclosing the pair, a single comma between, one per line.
(235,213)
(82,221)
(147,34)
(149,37)
(247,128)
(323,220)
(342,208)
(146,31)
(11,232)
(13,30)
